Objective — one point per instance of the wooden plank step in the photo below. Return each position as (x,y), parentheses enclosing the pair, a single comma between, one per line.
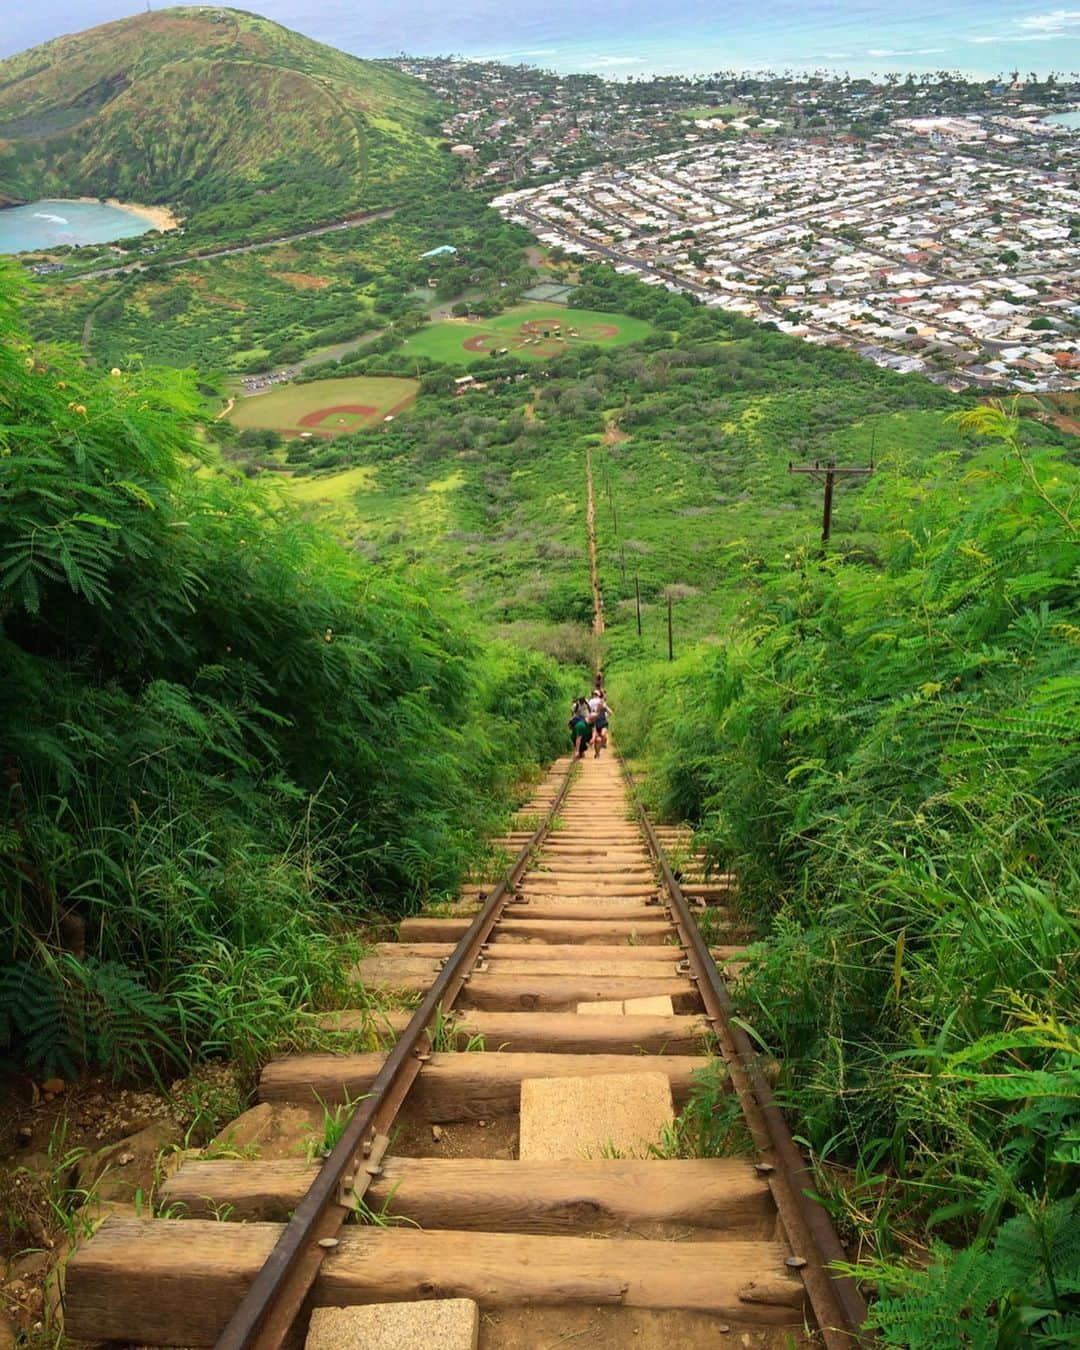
(606,869)
(654,928)
(562,993)
(577,855)
(177,1282)
(453,1085)
(438,951)
(533,907)
(503,961)
(416,975)
(585,892)
(506,985)
(582,1196)
(681,1034)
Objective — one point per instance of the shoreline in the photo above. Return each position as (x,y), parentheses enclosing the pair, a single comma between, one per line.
(160,217)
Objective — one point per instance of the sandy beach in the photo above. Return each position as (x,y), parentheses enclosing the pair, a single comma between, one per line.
(160,217)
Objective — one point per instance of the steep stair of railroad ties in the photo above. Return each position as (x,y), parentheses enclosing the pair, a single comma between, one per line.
(519,1175)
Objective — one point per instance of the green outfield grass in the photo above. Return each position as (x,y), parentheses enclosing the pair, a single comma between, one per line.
(714,110)
(522,331)
(325,408)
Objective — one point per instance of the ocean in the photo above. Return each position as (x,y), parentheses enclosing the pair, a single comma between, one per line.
(642,37)
(46,224)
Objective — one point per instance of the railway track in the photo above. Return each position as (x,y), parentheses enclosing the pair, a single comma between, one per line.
(551,1211)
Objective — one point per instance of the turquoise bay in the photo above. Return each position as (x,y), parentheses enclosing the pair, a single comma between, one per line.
(50,223)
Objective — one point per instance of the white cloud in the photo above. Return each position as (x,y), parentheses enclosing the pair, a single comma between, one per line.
(1053,23)
(913,51)
(1026,37)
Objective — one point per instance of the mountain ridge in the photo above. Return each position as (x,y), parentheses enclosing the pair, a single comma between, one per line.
(211,109)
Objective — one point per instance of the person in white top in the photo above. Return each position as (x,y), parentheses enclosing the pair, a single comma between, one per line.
(599,713)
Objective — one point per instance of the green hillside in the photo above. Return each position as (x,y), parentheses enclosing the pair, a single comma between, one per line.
(233,119)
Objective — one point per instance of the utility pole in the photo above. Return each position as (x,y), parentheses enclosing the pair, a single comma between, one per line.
(670,646)
(828,473)
(637,595)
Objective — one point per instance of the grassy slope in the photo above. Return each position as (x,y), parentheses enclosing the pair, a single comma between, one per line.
(228,312)
(188,105)
(489,488)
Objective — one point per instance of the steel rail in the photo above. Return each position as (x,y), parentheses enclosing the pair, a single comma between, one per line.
(266,1313)
(838,1306)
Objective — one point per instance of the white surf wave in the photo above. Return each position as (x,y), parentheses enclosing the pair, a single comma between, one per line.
(56,220)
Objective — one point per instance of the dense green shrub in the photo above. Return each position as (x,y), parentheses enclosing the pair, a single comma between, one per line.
(221,733)
(888,753)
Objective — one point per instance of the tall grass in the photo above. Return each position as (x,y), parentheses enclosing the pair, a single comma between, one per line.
(223,736)
(888,753)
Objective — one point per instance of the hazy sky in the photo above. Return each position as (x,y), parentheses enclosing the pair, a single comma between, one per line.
(624,37)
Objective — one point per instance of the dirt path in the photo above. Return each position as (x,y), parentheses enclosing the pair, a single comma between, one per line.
(346,223)
(226,410)
(612,434)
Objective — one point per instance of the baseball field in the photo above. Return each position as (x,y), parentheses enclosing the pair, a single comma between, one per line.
(325,408)
(534,331)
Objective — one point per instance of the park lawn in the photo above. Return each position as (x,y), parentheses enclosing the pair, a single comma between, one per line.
(716,110)
(325,408)
(445,341)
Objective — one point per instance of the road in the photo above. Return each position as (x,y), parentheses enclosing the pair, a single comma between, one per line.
(346,223)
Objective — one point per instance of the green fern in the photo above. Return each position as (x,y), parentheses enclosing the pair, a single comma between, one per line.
(1023,1290)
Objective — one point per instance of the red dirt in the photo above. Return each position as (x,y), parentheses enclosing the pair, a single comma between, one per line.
(304,281)
(313,419)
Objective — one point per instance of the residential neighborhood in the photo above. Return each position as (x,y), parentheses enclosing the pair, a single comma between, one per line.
(941,244)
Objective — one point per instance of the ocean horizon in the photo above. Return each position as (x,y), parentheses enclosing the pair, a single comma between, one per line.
(685,37)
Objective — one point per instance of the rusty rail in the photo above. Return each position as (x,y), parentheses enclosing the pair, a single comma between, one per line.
(839,1307)
(266,1313)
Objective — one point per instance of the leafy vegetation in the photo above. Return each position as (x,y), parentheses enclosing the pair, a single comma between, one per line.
(884,747)
(223,735)
(247,127)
